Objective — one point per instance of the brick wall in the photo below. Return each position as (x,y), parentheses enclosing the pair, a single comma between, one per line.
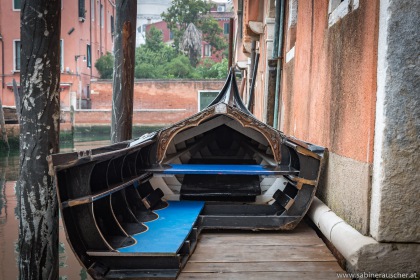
(156,102)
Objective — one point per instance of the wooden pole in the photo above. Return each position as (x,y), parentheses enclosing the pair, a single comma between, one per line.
(3,132)
(39,137)
(16,92)
(124,52)
(230,62)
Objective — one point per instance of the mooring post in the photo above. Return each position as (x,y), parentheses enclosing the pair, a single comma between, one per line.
(16,93)
(39,138)
(3,132)
(230,62)
(124,53)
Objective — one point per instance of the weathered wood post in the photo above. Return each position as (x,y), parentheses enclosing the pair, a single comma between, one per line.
(124,52)
(39,137)
(230,61)
(16,93)
(3,133)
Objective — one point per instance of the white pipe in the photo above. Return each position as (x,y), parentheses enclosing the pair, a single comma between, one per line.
(347,240)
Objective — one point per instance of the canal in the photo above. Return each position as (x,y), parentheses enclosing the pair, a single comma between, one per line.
(70,268)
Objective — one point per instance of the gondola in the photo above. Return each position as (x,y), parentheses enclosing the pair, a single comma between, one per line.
(135,209)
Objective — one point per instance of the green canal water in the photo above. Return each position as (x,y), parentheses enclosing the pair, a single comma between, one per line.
(83,139)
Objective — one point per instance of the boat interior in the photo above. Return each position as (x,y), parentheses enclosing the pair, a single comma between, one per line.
(135,209)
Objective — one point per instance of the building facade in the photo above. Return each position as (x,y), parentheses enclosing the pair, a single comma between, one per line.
(344,75)
(86,35)
(148,12)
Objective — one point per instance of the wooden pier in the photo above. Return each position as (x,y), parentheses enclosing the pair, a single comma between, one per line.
(299,254)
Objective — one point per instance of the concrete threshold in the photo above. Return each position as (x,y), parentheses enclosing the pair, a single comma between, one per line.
(363,253)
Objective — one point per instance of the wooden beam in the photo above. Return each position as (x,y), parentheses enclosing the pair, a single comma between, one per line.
(39,138)
(91,198)
(3,132)
(16,92)
(124,53)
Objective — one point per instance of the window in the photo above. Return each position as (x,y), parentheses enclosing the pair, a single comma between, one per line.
(88,56)
(81,10)
(226,28)
(17,4)
(92,11)
(171,35)
(16,55)
(102,16)
(144,27)
(205,98)
(207,50)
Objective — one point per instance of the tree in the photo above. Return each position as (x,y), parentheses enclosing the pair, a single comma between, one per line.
(156,60)
(208,69)
(179,68)
(105,66)
(154,39)
(191,43)
(123,87)
(39,137)
(183,12)
(212,34)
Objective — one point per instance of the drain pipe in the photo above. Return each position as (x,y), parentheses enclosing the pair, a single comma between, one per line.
(279,35)
(252,87)
(251,66)
(2,61)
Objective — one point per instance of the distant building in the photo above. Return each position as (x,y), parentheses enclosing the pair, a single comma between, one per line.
(86,35)
(148,12)
(222,12)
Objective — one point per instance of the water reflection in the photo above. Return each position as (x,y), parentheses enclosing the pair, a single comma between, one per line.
(9,223)
(83,139)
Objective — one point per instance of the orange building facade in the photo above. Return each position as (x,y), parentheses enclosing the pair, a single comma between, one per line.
(86,35)
(346,72)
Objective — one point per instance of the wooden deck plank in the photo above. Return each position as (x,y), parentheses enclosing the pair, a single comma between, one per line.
(258,239)
(297,254)
(261,253)
(260,276)
(197,267)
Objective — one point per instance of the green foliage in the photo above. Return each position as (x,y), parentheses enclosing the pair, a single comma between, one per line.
(183,12)
(105,66)
(154,39)
(155,60)
(208,69)
(180,67)
(212,34)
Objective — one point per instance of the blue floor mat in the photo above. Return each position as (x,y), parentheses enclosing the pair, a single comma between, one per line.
(167,233)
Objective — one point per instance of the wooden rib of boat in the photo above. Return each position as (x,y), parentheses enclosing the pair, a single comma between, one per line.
(135,209)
